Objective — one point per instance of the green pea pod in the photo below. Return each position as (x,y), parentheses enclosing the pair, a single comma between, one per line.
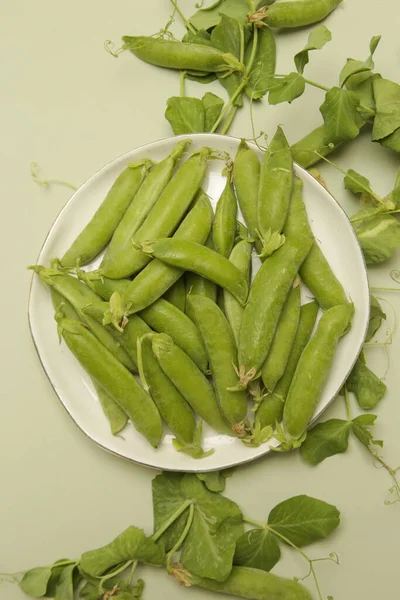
(167,212)
(307,150)
(180,55)
(201,260)
(224,228)
(155,279)
(164,317)
(246,177)
(200,286)
(313,369)
(315,270)
(190,381)
(246,582)
(276,180)
(102,286)
(173,407)
(120,248)
(241,258)
(270,409)
(275,364)
(299,13)
(98,232)
(222,354)
(117,381)
(267,297)
(176,295)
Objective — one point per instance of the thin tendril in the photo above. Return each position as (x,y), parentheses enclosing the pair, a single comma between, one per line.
(45,182)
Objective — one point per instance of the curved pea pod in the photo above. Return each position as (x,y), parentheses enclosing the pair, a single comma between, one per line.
(164,317)
(190,256)
(190,381)
(299,13)
(98,232)
(120,247)
(246,582)
(166,213)
(275,363)
(176,295)
(315,270)
(275,189)
(116,380)
(270,409)
(313,369)
(267,297)
(200,286)
(173,407)
(222,354)
(102,286)
(224,228)
(241,258)
(246,177)
(181,55)
(157,277)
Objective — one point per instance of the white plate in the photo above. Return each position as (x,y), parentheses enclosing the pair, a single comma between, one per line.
(74,388)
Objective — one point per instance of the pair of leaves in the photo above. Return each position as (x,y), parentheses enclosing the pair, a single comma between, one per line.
(357,68)
(378,233)
(300,520)
(217,523)
(192,115)
(215,481)
(55,581)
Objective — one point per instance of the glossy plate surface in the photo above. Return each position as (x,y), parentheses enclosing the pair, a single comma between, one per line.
(333,232)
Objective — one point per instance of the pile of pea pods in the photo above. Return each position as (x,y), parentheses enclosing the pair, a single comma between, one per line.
(173,302)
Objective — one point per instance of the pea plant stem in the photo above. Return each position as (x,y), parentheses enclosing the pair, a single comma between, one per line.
(156,536)
(182,537)
(229,120)
(182,83)
(187,24)
(348,408)
(326,89)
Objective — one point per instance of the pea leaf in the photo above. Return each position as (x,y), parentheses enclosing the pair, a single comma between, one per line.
(204,79)
(131,544)
(366,386)
(286,89)
(303,520)
(185,115)
(34,582)
(339,112)
(361,428)
(356,183)
(325,440)
(212,109)
(387,102)
(65,586)
(258,549)
(90,591)
(353,67)
(226,37)
(376,316)
(215,481)
(392,141)
(316,40)
(378,234)
(209,17)
(199,37)
(263,69)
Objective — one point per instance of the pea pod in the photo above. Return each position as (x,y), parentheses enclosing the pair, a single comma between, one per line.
(270,409)
(275,364)
(200,286)
(313,369)
(276,180)
(176,295)
(120,248)
(201,260)
(224,228)
(241,258)
(315,270)
(173,407)
(164,317)
(190,381)
(102,286)
(181,55)
(253,584)
(299,13)
(98,232)
(246,177)
(267,296)
(306,151)
(155,279)
(167,212)
(222,354)
(117,381)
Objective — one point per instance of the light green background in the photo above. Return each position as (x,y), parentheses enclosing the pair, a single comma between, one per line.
(71,107)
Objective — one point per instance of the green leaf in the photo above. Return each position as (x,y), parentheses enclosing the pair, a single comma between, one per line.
(378,234)
(185,115)
(226,37)
(387,102)
(366,386)
(206,18)
(356,183)
(212,109)
(325,440)
(361,428)
(376,316)
(132,544)
(204,79)
(65,586)
(271,241)
(263,69)
(215,481)
(316,40)
(258,549)
(339,112)
(286,89)
(354,67)
(90,591)
(200,37)
(34,582)
(392,141)
(303,520)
